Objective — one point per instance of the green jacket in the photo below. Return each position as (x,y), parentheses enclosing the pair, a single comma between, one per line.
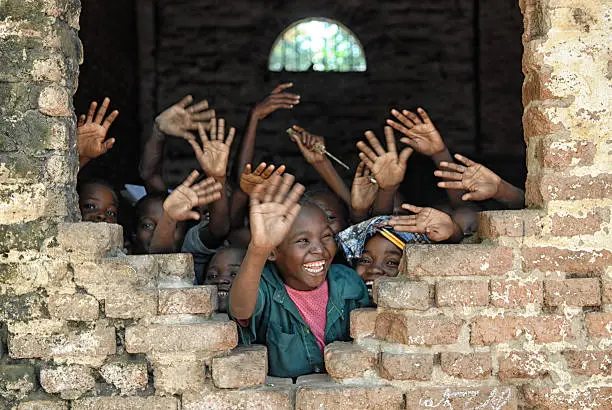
(276,322)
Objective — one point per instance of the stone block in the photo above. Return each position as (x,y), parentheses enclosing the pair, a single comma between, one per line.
(406,366)
(573,292)
(550,258)
(563,153)
(522,365)
(126,374)
(54,101)
(556,186)
(175,266)
(462,293)
(470,366)
(195,300)
(131,303)
(557,399)
(127,403)
(363,322)
(340,397)
(418,330)
(71,382)
(345,360)
(254,398)
(585,224)
(599,325)
(500,329)
(398,293)
(89,240)
(452,397)
(78,306)
(245,366)
(513,294)
(178,373)
(16,381)
(40,403)
(513,224)
(589,363)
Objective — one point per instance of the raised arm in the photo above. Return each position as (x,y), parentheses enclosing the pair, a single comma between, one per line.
(437,225)
(273,209)
(480,182)
(91,132)
(363,193)
(388,168)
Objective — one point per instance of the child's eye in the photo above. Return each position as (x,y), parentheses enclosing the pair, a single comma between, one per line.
(110,212)
(234,274)
(364,261)
(89,206)
(303,240)
(393,263)
(328,235)
(211,275)
(331,218)
(148,226)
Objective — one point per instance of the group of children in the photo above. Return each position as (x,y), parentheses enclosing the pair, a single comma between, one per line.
(289,263)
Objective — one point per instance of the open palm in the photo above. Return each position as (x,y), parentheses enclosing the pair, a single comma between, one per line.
(214,153)
(250,179)
(91,131)
(480,181)
(181,118)
(437,225)
(419,133)
(180,203)
(363,191)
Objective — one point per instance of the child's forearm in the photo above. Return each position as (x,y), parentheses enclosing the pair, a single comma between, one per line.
(247,147)
(163,236)
(333,180)
(383,205)
(238,207)
(218,228)
(243,293)
(454,195)
(151,162)
(509,195)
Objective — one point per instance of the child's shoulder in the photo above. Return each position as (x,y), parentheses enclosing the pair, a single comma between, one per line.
(342,271)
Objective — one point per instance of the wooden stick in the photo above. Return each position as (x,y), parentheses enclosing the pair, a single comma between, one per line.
(321,148)
(393,238)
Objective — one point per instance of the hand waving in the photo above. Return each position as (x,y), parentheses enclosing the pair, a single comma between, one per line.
(480,181)
(437,225)
(363,191)
(180,203)
(274,207)
(420,133)
(387,167)
(179,119)
(306,143)
(275,101)
(91,132)
(214,153)
(249,180)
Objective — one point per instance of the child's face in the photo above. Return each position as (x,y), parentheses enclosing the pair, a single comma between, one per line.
(151,212)
(304,256)
(222,270)
(334,209)
(98,204)
(380,258)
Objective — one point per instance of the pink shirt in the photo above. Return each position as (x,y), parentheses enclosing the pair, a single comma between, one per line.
(312,305)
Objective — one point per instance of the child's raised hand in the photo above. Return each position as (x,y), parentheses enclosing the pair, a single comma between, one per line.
(249,180)
(387,167)
(214,153)
(91,132)
(480,181)
(180,203)
(275,101)
(437,225)
(180,119)
(274,207)
(363,191)
(306,143)
(420,133)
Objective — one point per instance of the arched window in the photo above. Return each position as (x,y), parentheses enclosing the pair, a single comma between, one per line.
(317,44)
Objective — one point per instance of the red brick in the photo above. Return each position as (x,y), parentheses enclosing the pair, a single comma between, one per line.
(550,258)
(499,329)
(564,153)
(512,294)
(514,224)
(522,365)
(245,366)
(569,225)
(467,260)
(345,359)
(599,325)
(462,293)
(606,290)
(589,363)
(536,122)
(332,396)
(556,186)
(417,330)
(466,366)
(363,322)
(406,366)
(196,300)
(399,293)
(534,86)
(573,292)
(556,399)
(453,397)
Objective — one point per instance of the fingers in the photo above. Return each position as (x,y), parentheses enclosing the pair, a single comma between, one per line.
(398,127)
(247,169)
(203,116)
(412,208)
(390,136)
(401,118)
(268,171)
(360,170)
(185,101)
(451,184)
(92,111)
(298,128)
(230,136)
(405,154)
(449,175)
(281,87)
(102,111)
(412,117)
(81,120)
(468,162)
(369,163)
(260,168)
(374,143)
(451,166)
(109,120)
(202,132)
(220,135)
(281,170)
(196,147)
(424,115)
(285,186)
(193,215)
(108,144)
(270,188)
(469,196)
(200,106)
(188,135)
(366,150)
(191,178)
(292,201)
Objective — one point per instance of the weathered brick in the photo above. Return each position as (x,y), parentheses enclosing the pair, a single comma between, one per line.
(513,294)
(71,382)
(556,186)
(363,322)
(89,240)
(338,397)
(557,399)
(177,373)
(193,334)
(523,365)
(589,363)
(399,293)
(462,293)
(39,402)
(406,366)
(126,374)
(245,366)
(500,329)
(570,225)
(16,381)
(514,224)
(256,398)
(497,397)
(126,403)
(537,121)
(466,365)
(140,303)
(606,291)
(175,266)
(599,325)
(345,359)
(573,292)
(196,300)
(73,307)
(468,260)
(550,258)
(417,330)
(564,153)
(54,101)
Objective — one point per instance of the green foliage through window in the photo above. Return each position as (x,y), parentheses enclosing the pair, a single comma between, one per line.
(317,44)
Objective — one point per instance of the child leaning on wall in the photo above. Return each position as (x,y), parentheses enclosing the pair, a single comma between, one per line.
(287,294)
